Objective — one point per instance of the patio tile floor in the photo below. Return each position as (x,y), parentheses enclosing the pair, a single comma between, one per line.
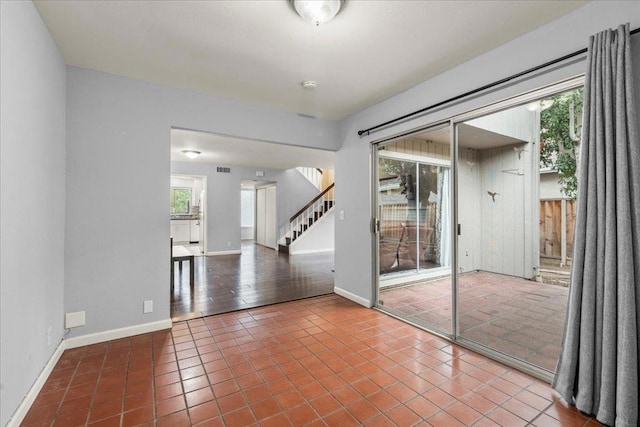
(518,317)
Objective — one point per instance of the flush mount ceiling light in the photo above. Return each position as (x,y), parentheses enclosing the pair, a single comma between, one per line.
(317,11)
(192,154)
(309,85)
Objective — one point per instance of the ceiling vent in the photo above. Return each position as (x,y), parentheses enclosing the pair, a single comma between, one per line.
(224,170)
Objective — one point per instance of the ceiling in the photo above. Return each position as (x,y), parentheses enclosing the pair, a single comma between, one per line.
(260,51)
(224,150)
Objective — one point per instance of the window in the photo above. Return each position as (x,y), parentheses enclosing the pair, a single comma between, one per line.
(180,200)
(247,208)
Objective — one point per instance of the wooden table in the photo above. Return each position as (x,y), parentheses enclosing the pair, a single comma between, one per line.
(179,254)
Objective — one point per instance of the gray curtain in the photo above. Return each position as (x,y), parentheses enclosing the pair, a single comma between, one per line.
(598,366)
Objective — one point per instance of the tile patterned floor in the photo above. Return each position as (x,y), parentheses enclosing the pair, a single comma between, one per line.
(323,361)
(518,317)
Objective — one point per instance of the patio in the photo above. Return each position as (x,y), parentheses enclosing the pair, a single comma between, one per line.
(518,317)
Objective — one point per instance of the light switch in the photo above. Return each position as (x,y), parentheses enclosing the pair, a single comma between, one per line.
(341,215)
(147,307)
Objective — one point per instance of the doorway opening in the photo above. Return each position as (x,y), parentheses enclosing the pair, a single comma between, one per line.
(188,212)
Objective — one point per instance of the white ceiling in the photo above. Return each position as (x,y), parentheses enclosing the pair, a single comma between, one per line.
(224,150)
(260,51)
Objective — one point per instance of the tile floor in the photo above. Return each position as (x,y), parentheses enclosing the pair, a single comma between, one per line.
(518,317)
(319,361)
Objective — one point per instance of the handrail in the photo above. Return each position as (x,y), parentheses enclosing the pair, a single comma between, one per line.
(315,199)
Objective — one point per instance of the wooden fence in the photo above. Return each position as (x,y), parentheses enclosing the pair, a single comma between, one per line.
(557,223)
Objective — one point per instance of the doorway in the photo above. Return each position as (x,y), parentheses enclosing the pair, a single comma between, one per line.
(266,216)
(188,194)
(459,229)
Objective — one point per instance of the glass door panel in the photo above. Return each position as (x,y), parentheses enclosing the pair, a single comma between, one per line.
(396,213)
(506,301)
(414,239)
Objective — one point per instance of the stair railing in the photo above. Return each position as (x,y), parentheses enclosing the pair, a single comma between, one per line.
(310,213)
(313,175)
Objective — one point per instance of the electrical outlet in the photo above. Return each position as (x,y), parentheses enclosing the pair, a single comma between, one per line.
(49,338)
(229,244)
(147,306)
(75,319)
(341,215)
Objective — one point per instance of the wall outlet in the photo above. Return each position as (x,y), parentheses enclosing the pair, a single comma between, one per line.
(147,306)
(75,319)
(49,333)
(341,215)
(229,244)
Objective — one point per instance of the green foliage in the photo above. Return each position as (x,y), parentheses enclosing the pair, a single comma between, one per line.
(557,150)
(180,200)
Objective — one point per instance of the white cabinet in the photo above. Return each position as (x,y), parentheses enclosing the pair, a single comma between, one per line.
(185,230)
(194,231)
(180,230)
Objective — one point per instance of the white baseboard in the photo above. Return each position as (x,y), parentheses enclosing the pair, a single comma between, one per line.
(234,252)
(310,251)
(32,394)
(115,334)
(30,397)
(353,297)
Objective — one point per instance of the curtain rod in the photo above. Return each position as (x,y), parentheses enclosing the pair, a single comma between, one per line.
(480,89)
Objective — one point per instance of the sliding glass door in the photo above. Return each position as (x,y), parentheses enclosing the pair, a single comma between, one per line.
(511,201)
(414,221)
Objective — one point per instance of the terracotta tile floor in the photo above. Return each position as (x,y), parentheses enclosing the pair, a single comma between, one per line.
(518,317)
(319,361)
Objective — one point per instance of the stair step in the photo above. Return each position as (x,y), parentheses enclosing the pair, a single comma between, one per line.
(283,249)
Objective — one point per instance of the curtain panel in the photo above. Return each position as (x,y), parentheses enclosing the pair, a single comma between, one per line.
(598,366)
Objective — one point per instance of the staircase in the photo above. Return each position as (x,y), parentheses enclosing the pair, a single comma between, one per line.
(313,175)
(303,220)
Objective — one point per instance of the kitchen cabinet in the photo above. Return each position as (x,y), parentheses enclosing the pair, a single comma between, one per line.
(194,231)
(180,230)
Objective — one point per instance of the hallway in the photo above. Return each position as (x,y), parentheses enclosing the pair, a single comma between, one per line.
(259,276)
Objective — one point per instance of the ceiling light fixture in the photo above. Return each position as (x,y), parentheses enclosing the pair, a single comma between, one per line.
(309,85)
(317,11)
(192,154)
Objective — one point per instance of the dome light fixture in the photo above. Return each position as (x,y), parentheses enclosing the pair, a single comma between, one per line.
(309,85)
(317,11)
(191,154)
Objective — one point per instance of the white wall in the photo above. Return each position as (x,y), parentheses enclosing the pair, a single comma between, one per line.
(318,238)
(293,191)
(119,138)
(353,192)
(32,192)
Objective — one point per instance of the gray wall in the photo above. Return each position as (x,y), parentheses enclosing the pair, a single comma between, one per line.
(118,144)
(32,199)
(353,194)
(293,191)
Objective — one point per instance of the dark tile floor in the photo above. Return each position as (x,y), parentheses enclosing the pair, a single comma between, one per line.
(518,317)
(257,277)
(322,361)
